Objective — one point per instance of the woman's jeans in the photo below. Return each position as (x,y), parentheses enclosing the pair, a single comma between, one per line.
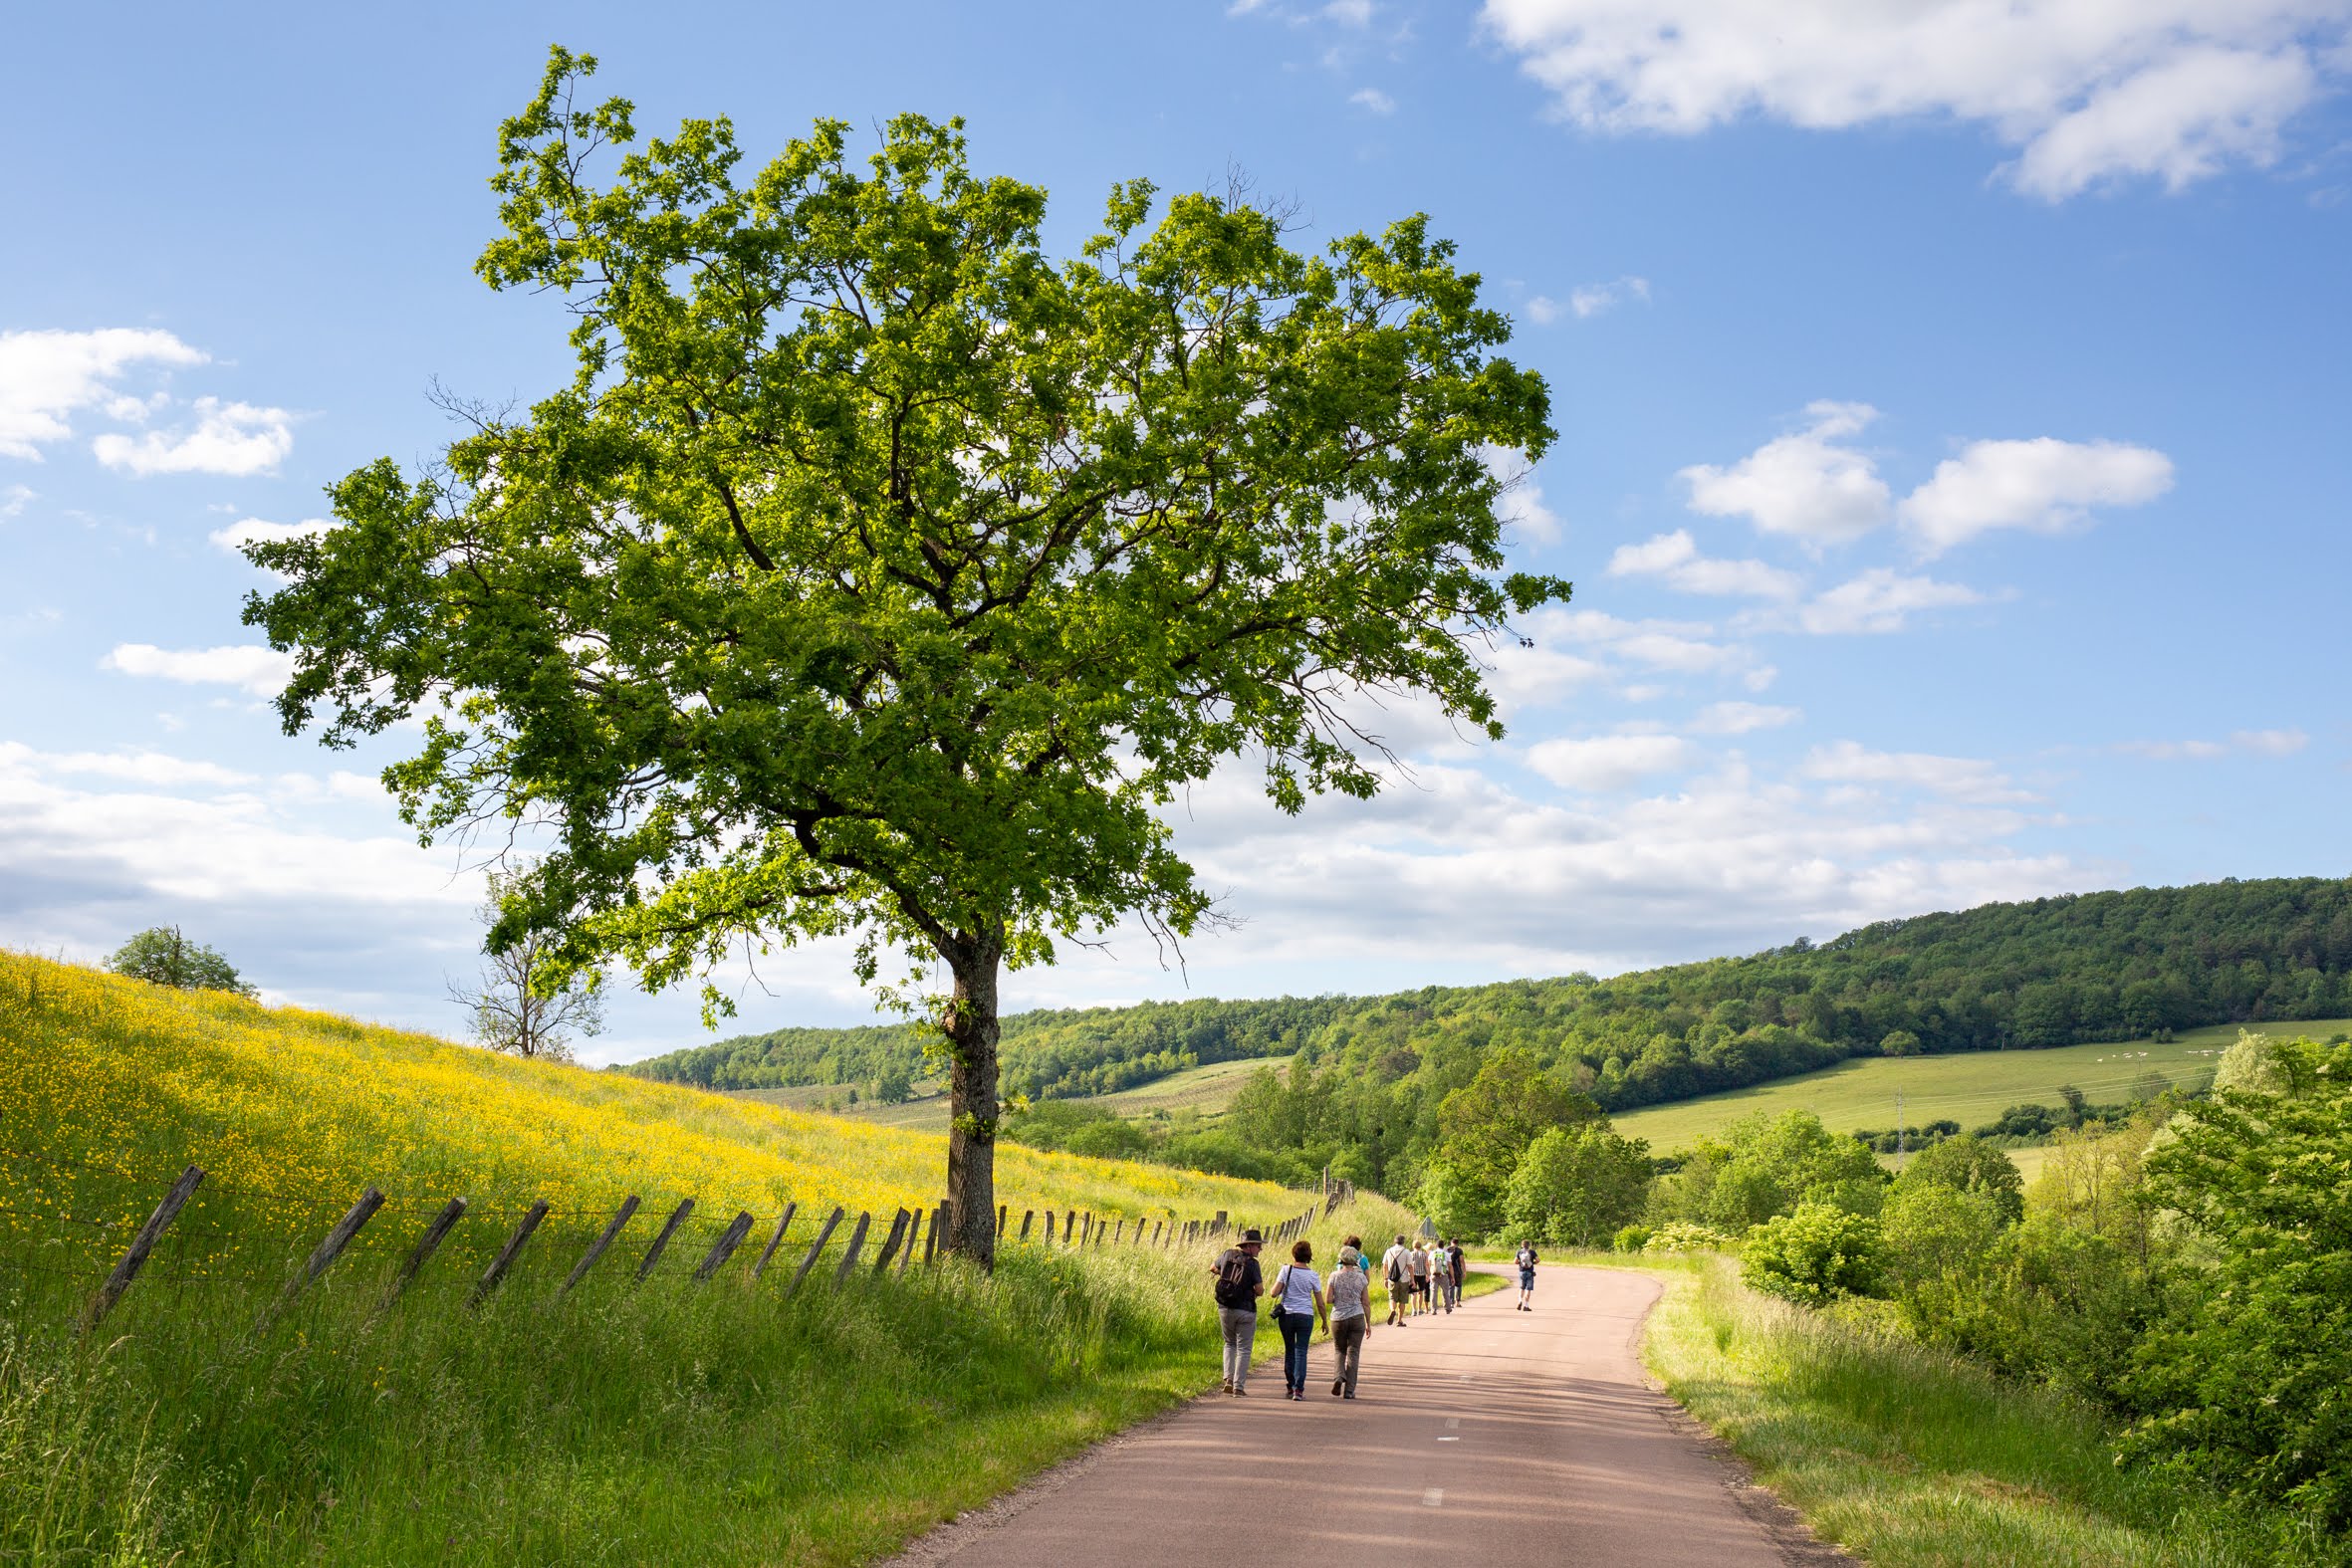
(1298,1329)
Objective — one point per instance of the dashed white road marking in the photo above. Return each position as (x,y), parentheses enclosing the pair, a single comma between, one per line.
(1452,1421)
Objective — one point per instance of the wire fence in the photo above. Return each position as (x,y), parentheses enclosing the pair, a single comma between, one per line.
(60,1236)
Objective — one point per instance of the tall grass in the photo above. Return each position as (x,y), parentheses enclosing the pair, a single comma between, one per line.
(1912,1456)
(661,1423)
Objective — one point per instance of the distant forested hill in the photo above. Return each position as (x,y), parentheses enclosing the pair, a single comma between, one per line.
(2054,972)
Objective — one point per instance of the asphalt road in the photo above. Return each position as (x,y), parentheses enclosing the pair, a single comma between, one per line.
(1490,1435)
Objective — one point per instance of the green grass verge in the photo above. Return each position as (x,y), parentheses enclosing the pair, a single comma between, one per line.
(624,1425)
(1910,1457)
(1968,1087)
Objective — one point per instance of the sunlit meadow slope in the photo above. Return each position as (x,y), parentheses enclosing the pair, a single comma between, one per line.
(302,1108)
(631,1421)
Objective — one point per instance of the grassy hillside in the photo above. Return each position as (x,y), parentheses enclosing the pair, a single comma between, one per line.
(1968,1089)
(663,1422)
(1206,1090)
(2004,978)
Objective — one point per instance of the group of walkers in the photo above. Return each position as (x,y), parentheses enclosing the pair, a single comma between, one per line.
(1422,1277)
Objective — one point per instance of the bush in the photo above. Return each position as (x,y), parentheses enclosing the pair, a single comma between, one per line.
(1632,1239)
(2248,1387)
(1679,1236)
(1816,1255)
(1574,1185)
(160,956)
(1968,1165)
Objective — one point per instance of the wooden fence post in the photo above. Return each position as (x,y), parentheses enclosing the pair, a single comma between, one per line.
(815,1248)
(327,1252)
(774,1241)
(1155,1232)
(620,1216)
(890,1246)
(669,1228)
(1026,1216)
(914,1228)
(507,1253)
(424,1249)
(856,1241)
(932,1250)
(125,1271)
(729,1240)
(1004,1212)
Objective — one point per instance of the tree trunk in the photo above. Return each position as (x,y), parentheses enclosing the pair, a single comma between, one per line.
(971,1029)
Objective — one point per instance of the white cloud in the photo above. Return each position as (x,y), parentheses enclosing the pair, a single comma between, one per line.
(1804,485)
(236,439)
(253,530)
(1543,309)
(1742,718)
(45,376)
(13,501)
(1374,99)
(2256,743)
(1349,13)
(1594,297)
(1675,559)
(1603,763)
(1685,647)
(251,667)
(1961,778)
(2088,90)
(2043,485)
(159,769)
(1880,601)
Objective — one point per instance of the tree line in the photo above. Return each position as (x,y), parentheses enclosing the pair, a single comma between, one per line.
(1368,1073)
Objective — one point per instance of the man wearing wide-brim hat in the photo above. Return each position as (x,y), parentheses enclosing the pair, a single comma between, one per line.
(1239,1285)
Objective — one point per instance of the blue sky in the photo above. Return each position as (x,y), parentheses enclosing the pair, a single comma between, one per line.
(1953,462)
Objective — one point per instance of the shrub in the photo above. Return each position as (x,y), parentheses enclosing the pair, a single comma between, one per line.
(1968,1165)
(1574,1185)
(2251,1390)
(1632,1239)
(1816,1255)
(1679,1236)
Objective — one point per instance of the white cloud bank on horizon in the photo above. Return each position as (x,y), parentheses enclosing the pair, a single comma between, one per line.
(2088,92)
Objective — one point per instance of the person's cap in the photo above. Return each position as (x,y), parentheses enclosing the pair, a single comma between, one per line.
(1252,1238)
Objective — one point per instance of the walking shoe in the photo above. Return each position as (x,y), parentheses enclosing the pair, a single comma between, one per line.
(1239,1392)
(1338,1385)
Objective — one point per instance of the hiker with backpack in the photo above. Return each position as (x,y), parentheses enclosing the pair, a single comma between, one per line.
(1454,1256)
(1441,1279)
(1399,1276)
(1239,1285)
(1527,1276)
(1297,1306)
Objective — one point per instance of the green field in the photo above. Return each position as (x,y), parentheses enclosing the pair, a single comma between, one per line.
(1969,1089)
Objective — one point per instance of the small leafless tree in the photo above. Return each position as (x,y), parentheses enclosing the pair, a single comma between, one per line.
(509,1013)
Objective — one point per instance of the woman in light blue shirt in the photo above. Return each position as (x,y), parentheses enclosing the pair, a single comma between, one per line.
(1298,1305)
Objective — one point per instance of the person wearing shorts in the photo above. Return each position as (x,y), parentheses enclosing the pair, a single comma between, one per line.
(1420,1277)
(1398,1275)
(1527,1276)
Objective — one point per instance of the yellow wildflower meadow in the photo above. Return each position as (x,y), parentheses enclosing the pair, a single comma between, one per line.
(109,1086)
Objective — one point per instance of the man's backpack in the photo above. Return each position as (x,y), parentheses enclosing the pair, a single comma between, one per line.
(1233,1280)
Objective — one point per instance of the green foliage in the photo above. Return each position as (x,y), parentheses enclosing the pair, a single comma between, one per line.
(1935,1233)
(1816,1254)
(2253,1390)
(1574,1185)
(1765,1167)
(1967,1164)
(1485,1128)
(875,574)
(1899,1042)
(1630,1238)
(160,956)
(1375,1068)
(1681,1235)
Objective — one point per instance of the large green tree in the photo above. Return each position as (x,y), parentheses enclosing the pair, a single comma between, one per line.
(875,574)
(163,957)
